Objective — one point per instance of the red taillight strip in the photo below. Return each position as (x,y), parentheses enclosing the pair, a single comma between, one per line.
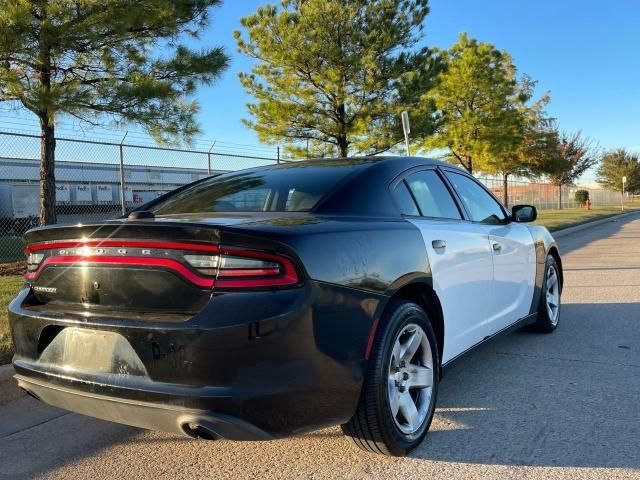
(198,247)
(289,275)
(230,278)
(168,263)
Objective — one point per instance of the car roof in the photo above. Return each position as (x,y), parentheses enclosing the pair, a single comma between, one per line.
(367,191)
(400,161)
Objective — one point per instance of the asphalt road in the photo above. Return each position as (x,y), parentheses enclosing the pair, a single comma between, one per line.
(565,405)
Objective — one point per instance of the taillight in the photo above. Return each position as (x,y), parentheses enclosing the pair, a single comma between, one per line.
(204,265)
(33,261)
(245,269)
(252,269)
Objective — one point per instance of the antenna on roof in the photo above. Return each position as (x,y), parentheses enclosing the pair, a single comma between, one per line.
(406,128)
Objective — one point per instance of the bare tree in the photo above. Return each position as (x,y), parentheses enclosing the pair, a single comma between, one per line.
(576,155)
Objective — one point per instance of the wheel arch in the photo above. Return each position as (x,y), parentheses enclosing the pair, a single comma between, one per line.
(553,251)
(421,292)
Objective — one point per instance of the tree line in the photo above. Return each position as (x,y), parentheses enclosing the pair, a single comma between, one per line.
(329,78)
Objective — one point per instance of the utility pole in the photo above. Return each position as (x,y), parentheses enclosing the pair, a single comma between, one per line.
(122,199)
(278,159)
(624,181)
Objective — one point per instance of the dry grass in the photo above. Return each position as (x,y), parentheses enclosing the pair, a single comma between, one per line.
(569,217)
(9,287)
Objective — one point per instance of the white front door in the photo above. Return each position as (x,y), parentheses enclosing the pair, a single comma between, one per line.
(512,249)
(514,272)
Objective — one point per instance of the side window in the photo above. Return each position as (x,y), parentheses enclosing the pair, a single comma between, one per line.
(252,200)
(434,200)
(481,206)
(405,200)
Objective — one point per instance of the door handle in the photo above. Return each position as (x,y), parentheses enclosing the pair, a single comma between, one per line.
(496,246)
(438,244)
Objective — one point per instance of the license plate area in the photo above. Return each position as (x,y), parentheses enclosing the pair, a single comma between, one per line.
(86,351)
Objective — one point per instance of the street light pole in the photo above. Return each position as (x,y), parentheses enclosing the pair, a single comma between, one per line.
(122,184)
(624,181)
(209,158)
(406,128)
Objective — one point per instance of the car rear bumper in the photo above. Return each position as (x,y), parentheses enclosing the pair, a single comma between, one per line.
(248,366)
(167,418)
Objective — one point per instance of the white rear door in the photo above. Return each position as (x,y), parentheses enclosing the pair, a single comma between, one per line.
(463,280)
(459,256)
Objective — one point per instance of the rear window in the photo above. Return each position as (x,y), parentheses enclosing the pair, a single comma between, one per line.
(291,188)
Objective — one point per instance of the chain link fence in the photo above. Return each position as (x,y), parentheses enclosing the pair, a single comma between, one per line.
(97,180)
(546,196)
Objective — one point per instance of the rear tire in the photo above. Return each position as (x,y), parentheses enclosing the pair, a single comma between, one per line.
(550,301)
(403,373)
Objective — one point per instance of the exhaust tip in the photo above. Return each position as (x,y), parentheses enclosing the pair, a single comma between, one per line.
(197,431)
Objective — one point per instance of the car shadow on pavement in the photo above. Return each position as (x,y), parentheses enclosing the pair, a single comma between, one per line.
(565,399)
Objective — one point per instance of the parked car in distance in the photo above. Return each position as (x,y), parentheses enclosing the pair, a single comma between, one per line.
(273,301)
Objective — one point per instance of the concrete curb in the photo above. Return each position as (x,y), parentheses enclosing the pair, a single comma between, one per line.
(583,226)
(8,387)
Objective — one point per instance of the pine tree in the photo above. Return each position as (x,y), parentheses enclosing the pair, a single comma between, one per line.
(335,75)
(474,99)
(104,61)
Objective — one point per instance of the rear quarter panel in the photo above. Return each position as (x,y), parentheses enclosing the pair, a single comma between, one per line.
(375,255)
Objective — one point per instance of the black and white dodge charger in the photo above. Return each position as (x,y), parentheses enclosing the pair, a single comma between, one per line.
(273,301)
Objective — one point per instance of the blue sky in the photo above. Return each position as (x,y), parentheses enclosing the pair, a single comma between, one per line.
(584,52)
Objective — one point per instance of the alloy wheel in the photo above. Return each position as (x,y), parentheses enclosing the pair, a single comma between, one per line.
(553,295)
(411,378)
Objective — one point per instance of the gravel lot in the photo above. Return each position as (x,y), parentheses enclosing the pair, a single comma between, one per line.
(526,406)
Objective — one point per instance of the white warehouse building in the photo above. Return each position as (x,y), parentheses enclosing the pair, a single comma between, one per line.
(83,185)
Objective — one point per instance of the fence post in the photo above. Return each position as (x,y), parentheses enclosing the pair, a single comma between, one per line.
(209,158)
(122,199)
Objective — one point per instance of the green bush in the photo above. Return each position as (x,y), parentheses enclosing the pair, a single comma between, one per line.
(581,197)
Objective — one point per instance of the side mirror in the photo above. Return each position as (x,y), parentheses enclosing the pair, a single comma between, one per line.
(524,213)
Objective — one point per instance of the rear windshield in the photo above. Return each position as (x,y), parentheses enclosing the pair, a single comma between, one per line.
(291,188)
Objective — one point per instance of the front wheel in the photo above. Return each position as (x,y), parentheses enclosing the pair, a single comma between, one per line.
(549,307)
(399,393)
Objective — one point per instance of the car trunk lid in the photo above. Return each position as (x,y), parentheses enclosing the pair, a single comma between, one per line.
(146,267)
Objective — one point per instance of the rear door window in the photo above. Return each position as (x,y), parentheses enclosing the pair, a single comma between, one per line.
(432,196)
(405,201)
